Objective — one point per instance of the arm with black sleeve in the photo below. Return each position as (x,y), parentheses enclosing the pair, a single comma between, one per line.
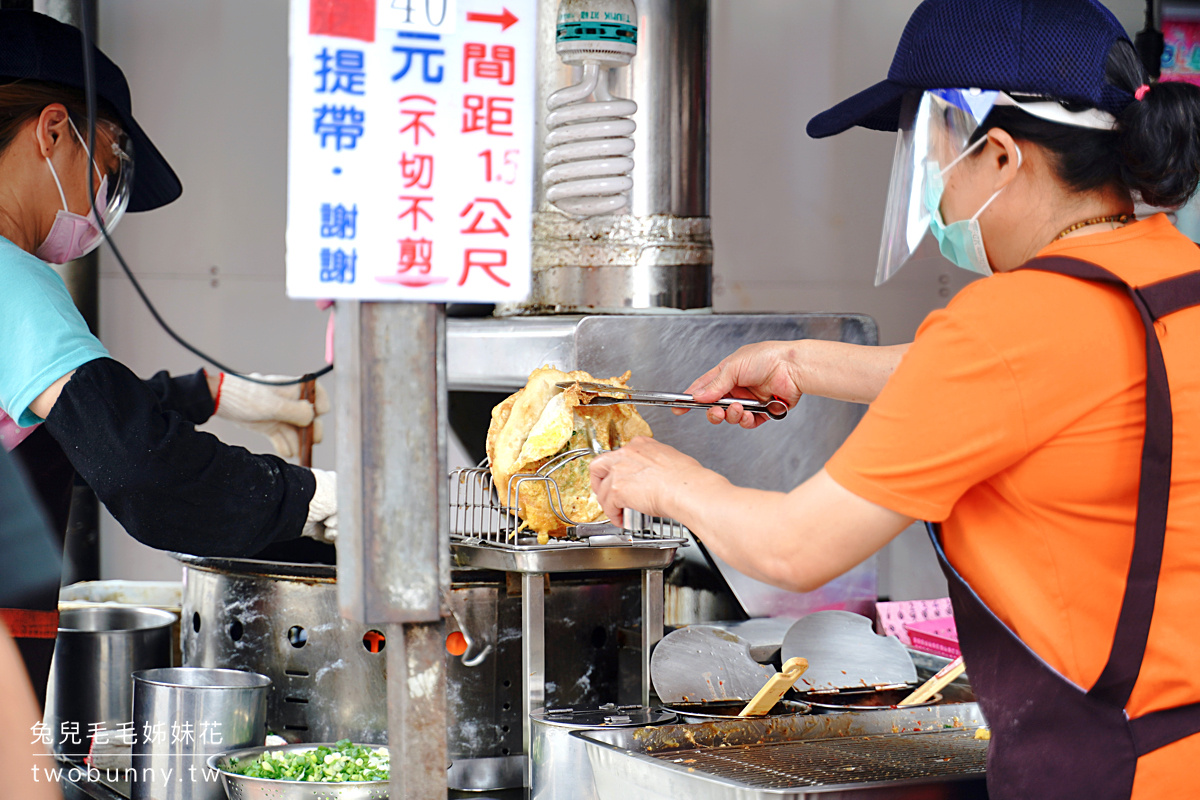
(173,487)
(188,395)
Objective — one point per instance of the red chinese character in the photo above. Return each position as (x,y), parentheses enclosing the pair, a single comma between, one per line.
(486,260)
(416,261)
(487,113)
(417,171)
(416,253)
(500,67)
(414,208)
(417,123)
(497,225)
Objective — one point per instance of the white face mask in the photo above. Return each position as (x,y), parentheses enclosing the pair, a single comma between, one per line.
(72,235)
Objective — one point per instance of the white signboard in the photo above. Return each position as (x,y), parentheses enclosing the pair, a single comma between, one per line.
(410,139)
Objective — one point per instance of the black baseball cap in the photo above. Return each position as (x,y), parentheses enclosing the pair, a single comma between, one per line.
(34,46)
(1047,48)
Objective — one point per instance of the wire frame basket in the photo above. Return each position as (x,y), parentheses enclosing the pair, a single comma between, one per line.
(478,516)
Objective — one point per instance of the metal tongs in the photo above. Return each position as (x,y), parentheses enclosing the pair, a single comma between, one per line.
(775,409)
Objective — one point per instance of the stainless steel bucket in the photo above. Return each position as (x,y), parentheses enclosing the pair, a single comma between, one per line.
(90,691)
(560,766)
(184,715)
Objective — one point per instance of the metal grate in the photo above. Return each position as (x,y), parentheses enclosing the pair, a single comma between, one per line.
(478,517)
(824,762)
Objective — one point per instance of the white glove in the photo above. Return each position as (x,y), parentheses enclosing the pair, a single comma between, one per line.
(322,509)
(277,412)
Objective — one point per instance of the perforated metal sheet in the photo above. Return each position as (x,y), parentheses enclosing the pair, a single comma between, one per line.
(828,762)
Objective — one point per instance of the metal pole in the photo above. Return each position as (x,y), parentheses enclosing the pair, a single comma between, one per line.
(533,658)
(417,709)
(81,545)
(652,623)
(1149,41)
(82,275)
(393,538)
(659,253)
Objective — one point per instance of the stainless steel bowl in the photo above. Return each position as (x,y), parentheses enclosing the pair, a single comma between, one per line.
(242,787)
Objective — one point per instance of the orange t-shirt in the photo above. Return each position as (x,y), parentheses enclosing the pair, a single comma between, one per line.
(1016,419)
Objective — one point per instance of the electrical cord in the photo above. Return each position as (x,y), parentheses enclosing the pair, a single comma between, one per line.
(89,82)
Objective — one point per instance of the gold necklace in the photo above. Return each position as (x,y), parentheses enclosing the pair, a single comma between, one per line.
(1121,218)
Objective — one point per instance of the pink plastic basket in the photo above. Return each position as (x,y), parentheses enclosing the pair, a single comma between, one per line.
(937,636)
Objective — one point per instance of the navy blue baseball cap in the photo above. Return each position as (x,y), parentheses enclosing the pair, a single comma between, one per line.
(1048,48)
(34,46)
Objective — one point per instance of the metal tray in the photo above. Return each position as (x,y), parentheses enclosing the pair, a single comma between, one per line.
(883,755)
(574,557)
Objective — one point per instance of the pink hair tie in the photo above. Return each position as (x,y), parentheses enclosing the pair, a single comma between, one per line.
(1140,94)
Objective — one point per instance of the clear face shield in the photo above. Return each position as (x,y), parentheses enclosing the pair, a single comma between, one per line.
(935,130)
(112,172)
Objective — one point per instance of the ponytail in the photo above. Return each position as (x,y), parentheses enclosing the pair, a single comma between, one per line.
(1159,144)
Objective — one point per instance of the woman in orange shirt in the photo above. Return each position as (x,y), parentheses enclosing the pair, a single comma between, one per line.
(1046,419)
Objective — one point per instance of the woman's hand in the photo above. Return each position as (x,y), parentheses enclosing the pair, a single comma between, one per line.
(796,541)
(854,373)
(755,371)
(647,476)
(277,412)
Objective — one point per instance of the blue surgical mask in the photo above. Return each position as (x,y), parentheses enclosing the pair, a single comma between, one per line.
(960,242)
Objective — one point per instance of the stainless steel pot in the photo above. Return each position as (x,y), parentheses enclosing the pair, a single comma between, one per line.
(281,619)
(561,770)
(97,649)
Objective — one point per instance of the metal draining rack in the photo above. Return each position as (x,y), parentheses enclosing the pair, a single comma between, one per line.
(478,518)
(486,534)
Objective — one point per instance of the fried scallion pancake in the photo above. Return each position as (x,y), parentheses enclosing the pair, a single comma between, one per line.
(541,421)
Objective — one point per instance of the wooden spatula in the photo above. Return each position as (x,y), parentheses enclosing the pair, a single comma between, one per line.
(935,684)
(774,689)
(308,391)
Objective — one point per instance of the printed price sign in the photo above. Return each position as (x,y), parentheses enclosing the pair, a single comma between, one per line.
(410,139)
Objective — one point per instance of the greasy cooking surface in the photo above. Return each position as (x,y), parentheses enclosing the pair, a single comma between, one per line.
(869,759)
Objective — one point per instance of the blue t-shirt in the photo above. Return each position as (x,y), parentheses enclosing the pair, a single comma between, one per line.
(42,334)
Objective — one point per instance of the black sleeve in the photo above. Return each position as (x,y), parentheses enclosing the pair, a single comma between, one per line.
(173,487)
(188,395)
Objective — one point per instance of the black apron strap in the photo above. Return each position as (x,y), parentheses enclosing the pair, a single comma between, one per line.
(1161,728)
(1116,681)
(1174,294)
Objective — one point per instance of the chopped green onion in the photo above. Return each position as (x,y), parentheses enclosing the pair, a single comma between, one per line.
(338,764)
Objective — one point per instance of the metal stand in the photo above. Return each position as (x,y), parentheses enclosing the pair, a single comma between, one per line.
(533,644)
(533,657)
(486,535)
(652,623)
